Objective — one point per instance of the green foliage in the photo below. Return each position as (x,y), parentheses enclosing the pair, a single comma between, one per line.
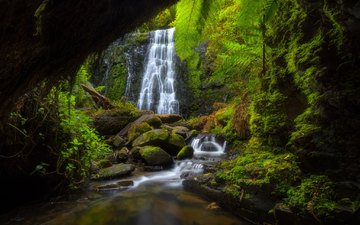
(83,144)
(314,194)
(81,97)
(225,118)
(119,74)
(258,168)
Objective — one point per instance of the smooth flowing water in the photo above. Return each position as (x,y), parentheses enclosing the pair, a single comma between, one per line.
(157,91)
(156,198)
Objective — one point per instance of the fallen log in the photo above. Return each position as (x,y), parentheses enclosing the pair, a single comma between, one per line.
(99,99)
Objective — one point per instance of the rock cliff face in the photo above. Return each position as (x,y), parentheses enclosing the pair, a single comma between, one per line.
(49,39)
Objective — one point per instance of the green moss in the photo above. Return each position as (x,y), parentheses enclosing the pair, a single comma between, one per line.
(176,140)
(137,129)
(314,194)
(185,153)
(149,151)
(259,168)
(38,17)
(151,136)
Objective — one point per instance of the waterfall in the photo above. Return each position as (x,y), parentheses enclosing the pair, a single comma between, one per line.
(207,144)
(158,89)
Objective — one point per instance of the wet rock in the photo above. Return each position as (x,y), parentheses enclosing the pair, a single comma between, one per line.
(118,141)
(170,142)
(112,121)
(154,121)
(122,155)
(176,143)
(125,183)
(107,187)
(115,171)
(137,129)
(135,153)
(153,168)
(170,118)
(155,156)
(185,153)
(153,137)
(104,163)
(213,206)
(182,131)
(150,119)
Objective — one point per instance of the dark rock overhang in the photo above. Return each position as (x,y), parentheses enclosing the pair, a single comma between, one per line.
(49,39)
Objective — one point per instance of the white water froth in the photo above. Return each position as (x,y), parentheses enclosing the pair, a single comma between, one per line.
(157,90)
(207,145)
(171,177)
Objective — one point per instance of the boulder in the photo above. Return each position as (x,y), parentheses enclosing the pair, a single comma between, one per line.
(154,137)
(170,118)
(180,130)
(115,171)
(170,142)
(103,163)
(175,144)
(151,119)
(137,129)
(122,155)
(135,153)
(116,141)
(155,156)
(185,153)
(154,121)
(112,121)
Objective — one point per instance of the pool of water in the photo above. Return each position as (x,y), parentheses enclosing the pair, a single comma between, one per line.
(156,198)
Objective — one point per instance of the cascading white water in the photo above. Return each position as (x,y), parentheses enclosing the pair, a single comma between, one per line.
(158,89)
(207,144)
(207,150)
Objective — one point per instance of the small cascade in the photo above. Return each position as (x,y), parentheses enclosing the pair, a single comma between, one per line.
(206,144)
(172,177)
(208,149)
(158,89)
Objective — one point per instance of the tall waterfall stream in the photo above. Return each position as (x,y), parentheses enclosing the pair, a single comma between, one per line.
(158,89)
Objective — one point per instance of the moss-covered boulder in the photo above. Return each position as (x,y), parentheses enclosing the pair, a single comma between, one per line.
(170,142)
(154,137)
(185,153)
(176,143)
(155,156)
(137,129)
(116,141)
(115,171)
(103,163)
(154,121)
(112,121)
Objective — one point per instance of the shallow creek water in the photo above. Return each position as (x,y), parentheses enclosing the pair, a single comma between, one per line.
(156,198)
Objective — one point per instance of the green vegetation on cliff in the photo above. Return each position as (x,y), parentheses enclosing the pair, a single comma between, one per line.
(283,70)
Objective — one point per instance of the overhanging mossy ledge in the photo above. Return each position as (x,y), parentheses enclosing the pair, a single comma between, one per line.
(69,32)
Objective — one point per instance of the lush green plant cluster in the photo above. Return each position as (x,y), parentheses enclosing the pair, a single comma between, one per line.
(258,168)
(283,68)
(314,194)
(83,144)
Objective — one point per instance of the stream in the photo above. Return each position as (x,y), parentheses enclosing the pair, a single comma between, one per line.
(155,198)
